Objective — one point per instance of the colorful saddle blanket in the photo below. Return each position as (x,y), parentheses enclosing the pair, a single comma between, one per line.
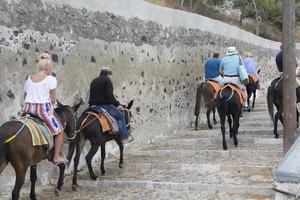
(106,124)
(40,133)
(237,90)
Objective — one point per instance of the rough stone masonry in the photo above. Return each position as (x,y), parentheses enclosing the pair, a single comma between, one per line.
(159,66)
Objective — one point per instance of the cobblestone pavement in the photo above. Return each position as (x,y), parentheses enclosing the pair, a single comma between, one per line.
(188,164)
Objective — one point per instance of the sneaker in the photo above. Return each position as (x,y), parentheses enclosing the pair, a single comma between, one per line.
(128,140)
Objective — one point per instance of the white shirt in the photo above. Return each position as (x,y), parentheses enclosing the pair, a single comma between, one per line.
(39,92)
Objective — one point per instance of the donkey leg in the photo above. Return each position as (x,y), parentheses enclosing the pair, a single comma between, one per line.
(33,178)
(208,118)
(79,147)
(196,122)
(229,120)
(222,121)
(214,116)
(254,96)
(60,180)
(278,115)
(94,148)
(235,129)
(121,148)
(103,153)
(20,177)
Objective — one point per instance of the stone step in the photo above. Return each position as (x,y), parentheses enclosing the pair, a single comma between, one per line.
(215,134)
(184,167)
(232,151)
(242,159)
(124,193)
(254,132)
(210,145)
(218,140)
(167,186)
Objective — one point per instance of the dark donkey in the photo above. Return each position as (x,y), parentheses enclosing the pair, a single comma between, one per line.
(21,154)
(228,103)
(275,97)
(205,92)
(92,131)
(251,90)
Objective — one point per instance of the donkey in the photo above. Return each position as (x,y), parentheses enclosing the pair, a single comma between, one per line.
(205,92)
(93,132)
(275,97)
(251,88)
(17,149)
(228,103)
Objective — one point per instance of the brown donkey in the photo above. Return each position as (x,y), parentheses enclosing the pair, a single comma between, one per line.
(205,92)
(21,153)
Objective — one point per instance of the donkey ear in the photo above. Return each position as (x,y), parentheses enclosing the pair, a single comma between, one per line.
(75,107)
(130,104)
(59,104)
(258,71)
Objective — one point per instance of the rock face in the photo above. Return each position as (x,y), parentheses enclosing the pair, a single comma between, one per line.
(156,64)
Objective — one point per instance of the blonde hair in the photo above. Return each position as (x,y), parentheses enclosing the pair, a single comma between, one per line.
(43,60)
(249,54)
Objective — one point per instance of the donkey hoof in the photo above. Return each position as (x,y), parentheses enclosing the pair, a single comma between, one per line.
(276,136)
(74,187)
(57,192)
(210,127)
(102,172)
(224,147)
(32,197)
(94,177)
(236,144)
(121,165)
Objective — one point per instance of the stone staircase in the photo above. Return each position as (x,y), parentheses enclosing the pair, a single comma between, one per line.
(191,164)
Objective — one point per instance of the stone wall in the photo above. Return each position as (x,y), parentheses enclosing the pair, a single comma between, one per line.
(159,64)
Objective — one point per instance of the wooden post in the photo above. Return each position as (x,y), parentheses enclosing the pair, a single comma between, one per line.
(289,70)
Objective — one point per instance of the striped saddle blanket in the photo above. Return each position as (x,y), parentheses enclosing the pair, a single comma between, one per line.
(40,133)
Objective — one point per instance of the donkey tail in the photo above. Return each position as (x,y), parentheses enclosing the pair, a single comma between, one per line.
(198,99)
(3,159)
(270,102)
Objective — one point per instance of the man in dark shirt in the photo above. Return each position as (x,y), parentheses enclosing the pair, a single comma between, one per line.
(279,60)
(101,94)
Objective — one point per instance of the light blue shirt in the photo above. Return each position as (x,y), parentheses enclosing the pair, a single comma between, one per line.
(230,64)
(250,66)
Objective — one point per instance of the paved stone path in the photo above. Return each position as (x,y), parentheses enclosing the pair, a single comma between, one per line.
(190,164)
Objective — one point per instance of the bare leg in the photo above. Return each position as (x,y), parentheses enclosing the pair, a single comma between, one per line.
(58,143)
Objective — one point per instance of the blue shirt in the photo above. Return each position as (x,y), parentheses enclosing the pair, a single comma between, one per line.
(250,66)
(230,64)
(212,68)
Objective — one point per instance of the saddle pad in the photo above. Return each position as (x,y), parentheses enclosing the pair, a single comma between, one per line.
(102,120)
(40,134)
(255,78)
(238,91)
(217,87)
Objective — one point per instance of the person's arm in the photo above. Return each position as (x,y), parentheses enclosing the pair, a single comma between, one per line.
(109,93)
(221,69)
(53,96)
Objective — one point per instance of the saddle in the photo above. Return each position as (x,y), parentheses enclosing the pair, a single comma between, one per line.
(108,123)
(217,87)
(40,133)
(235,89)
(254,78)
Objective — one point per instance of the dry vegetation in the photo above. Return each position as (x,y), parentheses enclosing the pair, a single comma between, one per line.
(267,30)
